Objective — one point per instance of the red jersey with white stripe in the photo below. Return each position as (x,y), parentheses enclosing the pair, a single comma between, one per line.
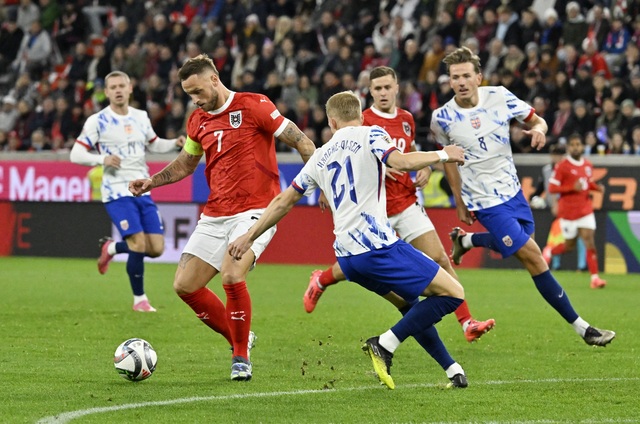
(573,204)
(401,127)
(238,143)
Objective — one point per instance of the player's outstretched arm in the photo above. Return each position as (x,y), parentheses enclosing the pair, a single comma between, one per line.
(182,166)
(414,161)
(277,209)
(293,137)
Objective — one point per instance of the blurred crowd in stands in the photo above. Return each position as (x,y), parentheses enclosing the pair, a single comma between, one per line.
(577,63)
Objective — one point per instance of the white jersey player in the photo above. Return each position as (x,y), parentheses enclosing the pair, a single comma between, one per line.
(350,171)
(478,119)
(125,136)
(489,176)
(116,138)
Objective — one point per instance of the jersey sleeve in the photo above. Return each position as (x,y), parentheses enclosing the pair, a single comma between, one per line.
(268,117)
(517,108)
(149,132)
(438,131)
(558,182)
(306,181)
(90,133)
(380,143)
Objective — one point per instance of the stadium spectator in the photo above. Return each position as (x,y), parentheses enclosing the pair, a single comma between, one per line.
(72,28)
(598,23)
(34,55)
(79,69)
(610,119)
(592,57)
(28,13)
(380,262)
(327,28)
(551,29)
(497,202)
(120,150)
(8,114)
(10,39)
(234,177)
(485,33)
(575,27)
(582,86)
(630,62)
(581,120)
(616,43)
(252,32)
(572,180)
(508,30)
(406,216)
(617,144)
(529,29)
(50,11)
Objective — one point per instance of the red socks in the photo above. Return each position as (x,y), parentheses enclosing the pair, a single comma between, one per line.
(210,309)
(592,261)
(238,316)
(326,278)
(559,249)
(462,312)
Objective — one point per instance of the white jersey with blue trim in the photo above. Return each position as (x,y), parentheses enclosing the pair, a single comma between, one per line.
(126,136)
(349,169)
(489,176)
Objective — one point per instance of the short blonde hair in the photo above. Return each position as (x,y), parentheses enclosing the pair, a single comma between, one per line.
(344,106)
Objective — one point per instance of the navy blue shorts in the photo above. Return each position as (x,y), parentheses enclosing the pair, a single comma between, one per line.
(511,224)
(133,215)
(399,268)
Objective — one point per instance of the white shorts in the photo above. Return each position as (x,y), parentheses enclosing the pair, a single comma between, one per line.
(570,228)
(212,236)
(411,223)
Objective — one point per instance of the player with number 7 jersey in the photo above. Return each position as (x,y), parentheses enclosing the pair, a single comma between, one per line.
(235,132)
(238,141)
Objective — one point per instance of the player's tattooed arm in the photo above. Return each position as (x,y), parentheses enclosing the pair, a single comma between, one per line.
(293,137)
(182,166)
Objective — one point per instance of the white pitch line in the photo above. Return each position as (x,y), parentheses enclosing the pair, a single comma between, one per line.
(65,417)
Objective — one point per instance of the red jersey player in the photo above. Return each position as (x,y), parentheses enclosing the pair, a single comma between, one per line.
(572,179)
(235,132)
(407,217)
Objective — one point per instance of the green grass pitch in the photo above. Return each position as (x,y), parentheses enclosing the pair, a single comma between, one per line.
(61,322)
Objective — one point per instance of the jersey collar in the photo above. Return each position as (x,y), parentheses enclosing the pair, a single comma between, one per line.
(384,114)
(225,105)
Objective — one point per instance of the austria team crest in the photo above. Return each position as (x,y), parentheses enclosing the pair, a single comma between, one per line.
(235,119)
(475,122)
(407,128)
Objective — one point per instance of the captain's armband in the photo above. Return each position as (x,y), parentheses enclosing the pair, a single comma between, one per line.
(193,147)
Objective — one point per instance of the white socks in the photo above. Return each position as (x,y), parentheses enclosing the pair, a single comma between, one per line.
(389,341)
(580,326)
(466,241)
(111,249)
(454,369)
(138,299)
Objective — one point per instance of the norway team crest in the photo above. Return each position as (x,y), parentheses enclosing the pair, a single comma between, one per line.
(235,119)
(475,122)
(407,128)
(507,241)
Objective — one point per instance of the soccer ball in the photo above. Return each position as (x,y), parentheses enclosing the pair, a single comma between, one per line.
(135,359)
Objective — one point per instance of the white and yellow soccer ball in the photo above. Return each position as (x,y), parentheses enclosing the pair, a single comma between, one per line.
(135,359)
